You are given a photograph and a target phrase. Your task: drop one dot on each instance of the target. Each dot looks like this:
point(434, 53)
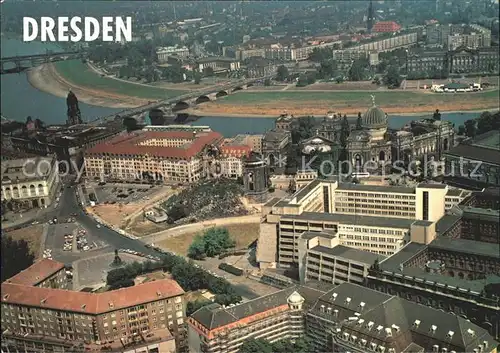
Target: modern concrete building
point(378, 219)
point(41, 316)
point(30, 182)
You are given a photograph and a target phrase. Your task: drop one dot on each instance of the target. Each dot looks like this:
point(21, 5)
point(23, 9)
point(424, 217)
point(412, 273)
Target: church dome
point(374, 118)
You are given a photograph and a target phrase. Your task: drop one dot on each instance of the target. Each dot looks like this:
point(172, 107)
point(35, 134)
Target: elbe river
point(19, 100)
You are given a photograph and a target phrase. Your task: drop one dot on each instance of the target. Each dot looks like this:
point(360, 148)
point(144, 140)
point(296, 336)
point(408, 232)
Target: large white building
point(164, 53)
point(29, 182)
point(376, 219)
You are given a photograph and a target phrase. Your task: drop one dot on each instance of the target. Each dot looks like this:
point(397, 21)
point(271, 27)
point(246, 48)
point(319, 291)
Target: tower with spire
point(371, 17)
point(74, 115)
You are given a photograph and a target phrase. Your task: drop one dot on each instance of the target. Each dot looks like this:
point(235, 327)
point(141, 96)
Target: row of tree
point(213, 242)
point(16, 256)
point(484, 123)
point(189, 277)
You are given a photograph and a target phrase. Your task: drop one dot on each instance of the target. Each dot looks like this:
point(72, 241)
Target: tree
point(303, 130)
point(436, 115)
point(392, 78)
point(282, 73)
point(321, 54)
point(488, 122)
point(267, 82)
point(470, 128)
point(16, 256)
point(253, 345)
point(344, 135)
point(357, 70)
point(208, 71)
point(191, 307)
point(176, 212)
point(327, 69)
point(461, 130)
point(197, 248)
point(359, 122)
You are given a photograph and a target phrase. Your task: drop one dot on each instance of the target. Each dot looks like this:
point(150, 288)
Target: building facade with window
point(30, 182)
point(345, 318)
point(150, 316)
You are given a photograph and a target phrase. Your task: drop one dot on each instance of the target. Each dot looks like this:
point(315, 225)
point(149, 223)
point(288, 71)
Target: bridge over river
point(23, 62)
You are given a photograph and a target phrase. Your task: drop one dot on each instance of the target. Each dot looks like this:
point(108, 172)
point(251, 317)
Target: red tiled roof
point(90, 303)
point(129, 144)
point(37, 272)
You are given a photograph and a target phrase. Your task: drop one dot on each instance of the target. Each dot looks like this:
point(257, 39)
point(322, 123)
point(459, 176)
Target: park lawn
point(81, 75)
point(32, 235)
point(382, 98)
point(243, 234)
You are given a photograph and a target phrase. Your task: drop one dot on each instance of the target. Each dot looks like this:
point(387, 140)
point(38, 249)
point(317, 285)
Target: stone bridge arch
point(222, 93)
point(181, 105)
point(203, 99)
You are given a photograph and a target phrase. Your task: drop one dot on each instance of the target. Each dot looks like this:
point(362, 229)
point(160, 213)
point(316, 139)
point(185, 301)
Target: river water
point(19, 100)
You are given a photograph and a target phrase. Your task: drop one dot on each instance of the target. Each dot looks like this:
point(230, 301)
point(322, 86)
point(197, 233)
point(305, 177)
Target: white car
point(98, 226)
point(86, 248)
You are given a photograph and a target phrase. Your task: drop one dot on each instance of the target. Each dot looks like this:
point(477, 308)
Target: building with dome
point(371, 143)
point(374, 142)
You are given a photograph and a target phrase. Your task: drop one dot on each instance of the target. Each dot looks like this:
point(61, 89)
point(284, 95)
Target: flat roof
point(466, 246)
point(346, 252)
point(353, 219)
point(272, 202)
point(376, 188)
point(306, 189)
point(446, 222)
point(431, 186)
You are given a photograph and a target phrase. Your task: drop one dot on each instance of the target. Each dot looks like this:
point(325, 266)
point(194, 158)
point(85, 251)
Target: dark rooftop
point(406, 253)
point(346, 252)
point(446, 222)
point(466, 246)
point(307, 189)
point(272, 202)
point(476, 153)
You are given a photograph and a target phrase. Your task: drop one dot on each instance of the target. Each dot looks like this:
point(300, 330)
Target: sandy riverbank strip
point(207, 110)
point(46, 78)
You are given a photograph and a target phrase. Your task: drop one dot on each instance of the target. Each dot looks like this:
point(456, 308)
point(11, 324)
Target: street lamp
point(406, 51)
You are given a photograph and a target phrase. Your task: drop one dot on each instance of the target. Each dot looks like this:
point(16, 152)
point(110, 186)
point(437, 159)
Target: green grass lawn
point(381, 98)
point(78, 73)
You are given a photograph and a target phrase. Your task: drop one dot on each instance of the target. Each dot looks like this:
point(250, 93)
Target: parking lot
point(119, 193)
point(65, 240)
point(94, 270)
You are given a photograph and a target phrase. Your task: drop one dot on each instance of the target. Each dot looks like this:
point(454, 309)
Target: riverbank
point(93, 89)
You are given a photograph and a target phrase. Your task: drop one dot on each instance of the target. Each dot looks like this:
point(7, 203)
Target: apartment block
point(44, 273)
point(39, 317)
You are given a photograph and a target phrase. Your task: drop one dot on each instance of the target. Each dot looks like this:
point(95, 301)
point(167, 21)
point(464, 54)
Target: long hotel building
point(40, 315)
point(183, 155)
point(378, 219)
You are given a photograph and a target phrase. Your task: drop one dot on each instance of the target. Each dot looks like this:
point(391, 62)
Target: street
point(69, 205)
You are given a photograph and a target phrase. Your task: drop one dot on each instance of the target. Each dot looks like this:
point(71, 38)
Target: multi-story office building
point(474, 164)
point(30, 182)
point(149, 317)
point(383, 45)
point(44, 273)
point(480, 224)
point(378, 219)
point(170, 156)
point(453, 36)
point(379, 322)
point(345, 58)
